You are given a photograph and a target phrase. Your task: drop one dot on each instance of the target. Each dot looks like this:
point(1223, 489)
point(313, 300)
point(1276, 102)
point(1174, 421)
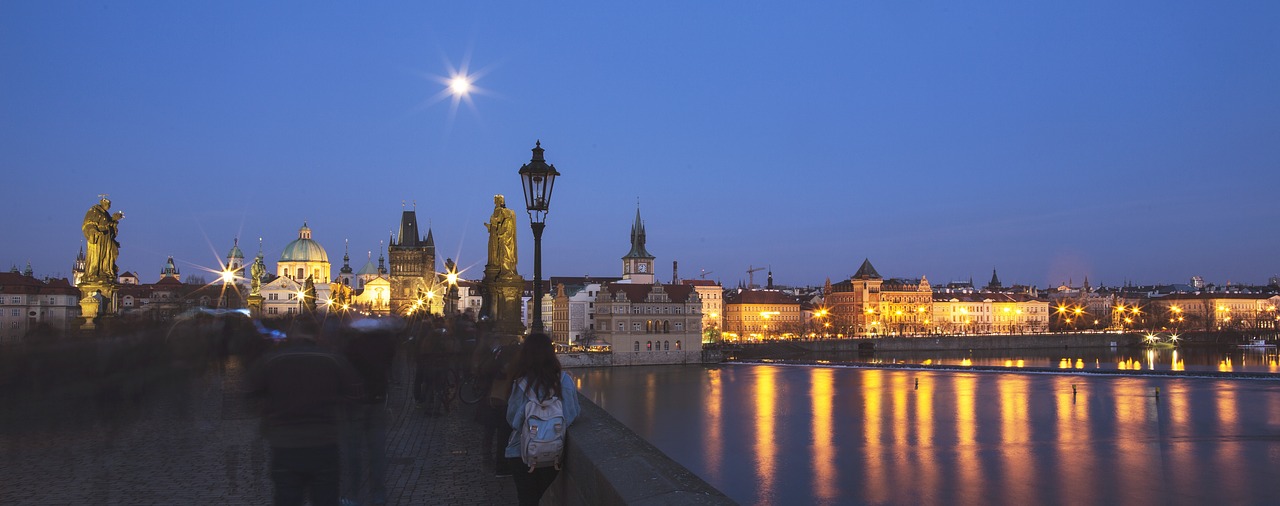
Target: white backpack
point(542, 434)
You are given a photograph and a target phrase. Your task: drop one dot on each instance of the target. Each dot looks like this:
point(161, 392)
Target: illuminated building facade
point(989, 313)
point(712, 296)
point(869, 305)
point(757, 315)
point(1213, 312)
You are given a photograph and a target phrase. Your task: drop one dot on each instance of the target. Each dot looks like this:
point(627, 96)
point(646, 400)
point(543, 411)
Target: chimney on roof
point(675, 272)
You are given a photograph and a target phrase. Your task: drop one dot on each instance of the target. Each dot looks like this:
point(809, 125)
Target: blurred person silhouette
point(302, 388)
point(371, 351)
point(492, 359)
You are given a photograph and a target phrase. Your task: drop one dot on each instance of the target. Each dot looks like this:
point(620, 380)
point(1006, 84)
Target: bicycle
point(470, 389)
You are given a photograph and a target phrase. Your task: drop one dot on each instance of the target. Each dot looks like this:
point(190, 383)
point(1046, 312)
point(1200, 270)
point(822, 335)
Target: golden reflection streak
point(1014, 433)
point(1176, 403)
point(1134, 428)
point(878, 491)
point(900, 387)
point(970, 474)
point(1227, 454)
point(1076, 463)
point(824, 448)
point(650, 401)
point(715, 437)
point(924, 440)
point(766, 411)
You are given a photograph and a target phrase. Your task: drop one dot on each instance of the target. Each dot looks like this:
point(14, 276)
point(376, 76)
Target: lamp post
point(451, 277)
point(538, 179)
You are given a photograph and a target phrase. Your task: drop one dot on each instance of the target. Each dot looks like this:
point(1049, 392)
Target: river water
point(773, 434)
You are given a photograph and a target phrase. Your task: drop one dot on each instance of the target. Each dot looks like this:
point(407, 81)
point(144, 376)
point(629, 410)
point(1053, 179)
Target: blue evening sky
point(1133, 140)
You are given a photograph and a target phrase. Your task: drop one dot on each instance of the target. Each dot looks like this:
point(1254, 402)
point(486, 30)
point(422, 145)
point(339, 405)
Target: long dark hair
point(538, 365)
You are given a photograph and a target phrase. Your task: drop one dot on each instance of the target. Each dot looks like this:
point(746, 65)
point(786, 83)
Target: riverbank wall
point(605, 463)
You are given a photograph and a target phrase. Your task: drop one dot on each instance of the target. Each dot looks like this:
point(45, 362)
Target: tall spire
point(382, 266)
point(408, 229)
point(346, 256)
point(637, 239)
point(430, 243)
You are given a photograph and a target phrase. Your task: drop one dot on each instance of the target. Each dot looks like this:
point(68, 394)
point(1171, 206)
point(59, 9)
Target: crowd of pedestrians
point(320, 388)
point(324, 407)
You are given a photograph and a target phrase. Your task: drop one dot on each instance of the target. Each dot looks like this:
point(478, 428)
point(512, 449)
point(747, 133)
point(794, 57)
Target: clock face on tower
point(642, 267)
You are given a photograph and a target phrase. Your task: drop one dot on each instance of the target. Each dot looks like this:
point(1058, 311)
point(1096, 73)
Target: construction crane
point(704, 273)
point(751, 275)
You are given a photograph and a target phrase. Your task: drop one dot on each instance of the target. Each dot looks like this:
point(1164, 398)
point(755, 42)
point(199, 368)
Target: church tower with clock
point(637, 265)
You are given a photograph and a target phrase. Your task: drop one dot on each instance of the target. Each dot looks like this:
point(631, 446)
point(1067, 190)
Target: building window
point(637, 346)
point(648, 345)
point(677, 345)
point(621, 327)
point(271, 310)
point(16, 312)
point(666, 346)
point(15, 300)
point(635, 326)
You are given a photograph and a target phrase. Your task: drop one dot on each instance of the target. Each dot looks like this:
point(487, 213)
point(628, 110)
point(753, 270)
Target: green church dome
point(303, 249)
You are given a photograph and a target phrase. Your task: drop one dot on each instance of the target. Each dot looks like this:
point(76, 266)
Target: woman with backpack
point(542, 405)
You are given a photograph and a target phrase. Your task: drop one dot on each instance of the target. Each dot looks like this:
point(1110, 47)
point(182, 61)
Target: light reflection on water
point(769, 434)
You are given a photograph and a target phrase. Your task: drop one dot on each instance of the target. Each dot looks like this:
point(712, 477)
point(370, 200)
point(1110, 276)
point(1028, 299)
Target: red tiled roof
point(12, 282)
point(760, 297)
point(637, 293)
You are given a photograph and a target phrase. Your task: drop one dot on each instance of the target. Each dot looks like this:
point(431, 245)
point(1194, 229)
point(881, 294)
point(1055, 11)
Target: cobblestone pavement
point(191, 438)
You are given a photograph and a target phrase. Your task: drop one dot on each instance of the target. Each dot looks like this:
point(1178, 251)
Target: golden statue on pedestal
point(502, 240)
point(100, 230)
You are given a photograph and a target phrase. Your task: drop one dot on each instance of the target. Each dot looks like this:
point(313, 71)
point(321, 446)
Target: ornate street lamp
point(539, 179)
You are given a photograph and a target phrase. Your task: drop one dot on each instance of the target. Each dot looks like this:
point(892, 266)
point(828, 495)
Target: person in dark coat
point(302, 388)
point(371, 351)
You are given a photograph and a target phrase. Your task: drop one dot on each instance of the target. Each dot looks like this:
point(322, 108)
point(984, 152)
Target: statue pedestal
point(255, 305)
point(96, 299)
point(504, 305)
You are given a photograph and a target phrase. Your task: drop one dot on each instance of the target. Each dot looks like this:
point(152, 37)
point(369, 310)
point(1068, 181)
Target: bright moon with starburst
point(459, 86)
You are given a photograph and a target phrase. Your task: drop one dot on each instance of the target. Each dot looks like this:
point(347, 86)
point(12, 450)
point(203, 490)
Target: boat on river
point(1257, 344)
